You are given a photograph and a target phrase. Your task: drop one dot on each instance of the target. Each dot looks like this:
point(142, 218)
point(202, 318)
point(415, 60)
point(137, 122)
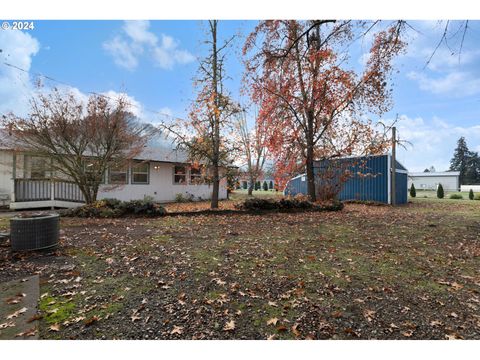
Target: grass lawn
point(411, 272)
point(431, 194)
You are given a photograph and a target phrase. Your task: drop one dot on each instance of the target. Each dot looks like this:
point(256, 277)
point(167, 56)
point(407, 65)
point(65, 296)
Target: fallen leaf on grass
point(29, 332)
point(271, 337)
point(54, 327)
point(177, 330)
point(281, 328)
point(16, 313)
point(369, 315)
point(91, 321)
point(272, 303)
point(407, 333)
point(272, 321)
point(453, 336)
point(35, 317)
point(229, 326)
point(436, 323)
point(295, 330)
point(7, 324)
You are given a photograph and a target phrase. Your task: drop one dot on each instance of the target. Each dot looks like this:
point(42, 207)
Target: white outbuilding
point(430, 180)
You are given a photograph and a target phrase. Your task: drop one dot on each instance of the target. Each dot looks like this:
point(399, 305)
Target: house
point(158, 172)
point(366, 178)
point(430, 180)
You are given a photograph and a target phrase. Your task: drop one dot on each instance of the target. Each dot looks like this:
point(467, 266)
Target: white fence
point(475, 188)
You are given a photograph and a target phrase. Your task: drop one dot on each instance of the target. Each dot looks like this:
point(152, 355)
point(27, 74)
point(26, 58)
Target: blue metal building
point(369, 179)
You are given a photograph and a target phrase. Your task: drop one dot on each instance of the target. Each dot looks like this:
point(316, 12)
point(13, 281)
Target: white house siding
point(6, 173)
point(429, 182)
point(475, 188)
point(161, 187)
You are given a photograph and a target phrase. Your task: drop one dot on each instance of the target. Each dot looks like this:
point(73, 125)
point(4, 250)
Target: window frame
point(133, 172)
point(126, 172)
point(197, 176)
point(184, 174)
point(43, 167)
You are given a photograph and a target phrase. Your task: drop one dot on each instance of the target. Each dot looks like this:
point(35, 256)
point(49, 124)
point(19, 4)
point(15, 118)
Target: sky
point(154, 62)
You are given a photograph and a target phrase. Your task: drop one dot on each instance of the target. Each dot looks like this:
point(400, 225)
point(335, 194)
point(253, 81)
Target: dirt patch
point(366, 272)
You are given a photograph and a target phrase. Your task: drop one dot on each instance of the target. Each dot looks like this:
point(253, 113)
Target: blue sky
point(154, 63)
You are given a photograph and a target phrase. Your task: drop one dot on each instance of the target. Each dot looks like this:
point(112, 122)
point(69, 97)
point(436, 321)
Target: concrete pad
point(18, 306)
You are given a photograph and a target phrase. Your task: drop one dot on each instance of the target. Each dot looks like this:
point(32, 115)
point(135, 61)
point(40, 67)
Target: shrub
point(440, 192)
point(413, 191)
point(270, 186)
point(184, 198)
point(287, 204)
point(257, 185)
point(114, 208)
point(456, 196)
point(471, 195)
point(265, 186)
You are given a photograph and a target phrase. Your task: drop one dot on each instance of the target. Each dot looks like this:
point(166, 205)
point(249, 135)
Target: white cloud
point(124, 54)
point(432, 141)
point(16, 87)
point(454, 83)
point(451, 69)
point(137, 39)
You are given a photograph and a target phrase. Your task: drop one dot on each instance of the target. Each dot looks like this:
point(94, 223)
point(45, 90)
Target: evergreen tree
point(265, 186)
point(470, 195)
point(270, 186)
point(413, 191)
point(426, 170)
point(472, 173)
point(440, 192)
point(460, 160)
point(257, 185)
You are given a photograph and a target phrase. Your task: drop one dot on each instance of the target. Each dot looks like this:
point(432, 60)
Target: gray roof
point(157, 150)
point(440, 173)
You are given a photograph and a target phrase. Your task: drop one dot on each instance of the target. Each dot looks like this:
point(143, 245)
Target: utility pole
point(394, 165)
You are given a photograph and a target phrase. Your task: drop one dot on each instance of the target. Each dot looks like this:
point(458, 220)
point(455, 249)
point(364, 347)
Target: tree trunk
point(310, 176)
point(252, 184)
point(216, 119)
point(216, 187)
point(309, 161)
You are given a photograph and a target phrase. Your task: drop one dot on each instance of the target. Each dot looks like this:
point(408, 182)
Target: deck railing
point(45, 189)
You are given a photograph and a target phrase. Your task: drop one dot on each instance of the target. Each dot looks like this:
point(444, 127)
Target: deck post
point(14, 175)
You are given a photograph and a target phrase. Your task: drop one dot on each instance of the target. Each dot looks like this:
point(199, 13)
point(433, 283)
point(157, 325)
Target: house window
point(140, 173)
point(118, 175)
point(38, 167)
point(196, 175)
point(179, 174)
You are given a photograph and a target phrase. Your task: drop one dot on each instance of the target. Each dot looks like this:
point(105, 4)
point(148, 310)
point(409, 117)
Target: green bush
point(270, 186)
point(440, 192)
point(265, 186)
point(114, 208)
point(456, 196)
point(471, 195)
point(184, 198)
point(413, 191)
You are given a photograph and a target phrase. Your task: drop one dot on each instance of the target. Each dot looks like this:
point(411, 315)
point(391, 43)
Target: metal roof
point(440, 173)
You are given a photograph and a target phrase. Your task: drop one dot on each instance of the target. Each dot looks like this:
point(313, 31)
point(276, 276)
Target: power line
point(37, 74)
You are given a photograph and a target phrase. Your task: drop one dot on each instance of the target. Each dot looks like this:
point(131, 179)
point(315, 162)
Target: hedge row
point(113, 208)
point(257, 204)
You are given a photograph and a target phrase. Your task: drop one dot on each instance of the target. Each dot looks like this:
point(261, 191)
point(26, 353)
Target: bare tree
point(207, 131)
point(253, 150)
point(81, 140)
